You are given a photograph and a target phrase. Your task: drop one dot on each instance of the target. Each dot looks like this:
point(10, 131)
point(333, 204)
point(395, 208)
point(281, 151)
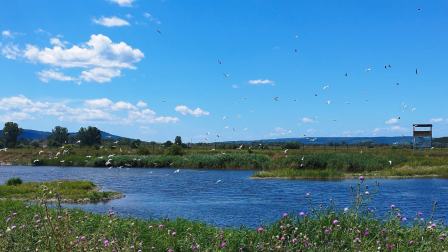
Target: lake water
point(236, 200)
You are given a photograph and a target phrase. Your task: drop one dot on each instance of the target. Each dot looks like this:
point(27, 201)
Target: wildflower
point(37, 221)
point(302, 213)
point(150, 227)
point(85, 217)
point(294, 240)
point(13, 227)
point(132, 247)
point(392, 206)
point(56, 228)
point(282, 239)
point(161, 226)
point(307, 194)
point(335, 222)
point(326, 230)
point(419, 213)
point(398, 215)
point(7, 220)
point(26, 207)
point(279, 247)
point(285, 214)
point(14, 214)
point(223, 244)
point(174, 233)
point(59, 217)
point(435, 202)
point(260, 229)
point(361, 178)
point(411, 241)
point(404, 219)
point(346, 209)
point(366, 192)
point(193, 247)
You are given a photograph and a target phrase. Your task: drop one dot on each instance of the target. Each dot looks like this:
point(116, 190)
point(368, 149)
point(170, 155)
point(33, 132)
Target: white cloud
point(259, 81)
point(112, 21)
point(147, 130)
point(98, 52)
point(100, 75)
point(0, 43)
point(307, 120)
point(7, 34)
point(392, 121)
point(151, 18)
point(57, 42)
point(234, 86)
point(128, 16)
point(311, 130)
point(127, 3)
point(435, 120)
point(107, 104)
point(11, 51)
point(42, 31)
point(19, 103)
point(15, 116)
point(184, 110)
point(91, 111)
point(376, 130)
point(141, 104)
point(149, 116)
point(47, 75)
point(91, 116)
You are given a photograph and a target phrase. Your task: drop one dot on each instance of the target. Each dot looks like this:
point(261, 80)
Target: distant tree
point(124, 141)
point(60, 134)
point(178, 140)
point(72, 139)
point(135, 144)
point(35, 144)
point(168, 143)
point(10, 132)
point(89, 136)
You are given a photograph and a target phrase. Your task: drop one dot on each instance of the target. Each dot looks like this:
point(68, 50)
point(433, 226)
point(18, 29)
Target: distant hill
point(35, 134)
point(349, 140)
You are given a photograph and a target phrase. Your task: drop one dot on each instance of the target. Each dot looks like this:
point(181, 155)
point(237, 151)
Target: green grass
point(70, 189)
point(35, 227)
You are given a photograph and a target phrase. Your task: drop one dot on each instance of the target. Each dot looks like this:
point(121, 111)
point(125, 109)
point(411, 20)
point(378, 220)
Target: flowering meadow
point(40, 227)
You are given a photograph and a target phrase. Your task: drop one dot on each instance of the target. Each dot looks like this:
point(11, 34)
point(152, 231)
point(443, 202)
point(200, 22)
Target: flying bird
point(276, 98)
point(296, 36)
point(79, 141)
point(385, 67)
point(295, 50)
point(226, 127)
point(159, 31)
point(224, 117)
point(390, 66)
point(398, 84)
point(285, 151)
point(368, 69)
point(219, 181)
point(226, 75)
point(416, 71)
point(219, 62)
point(413, 109)
point(345, 74)
point(326, 87)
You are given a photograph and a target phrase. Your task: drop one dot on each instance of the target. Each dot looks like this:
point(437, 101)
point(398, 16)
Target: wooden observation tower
point(425, 136)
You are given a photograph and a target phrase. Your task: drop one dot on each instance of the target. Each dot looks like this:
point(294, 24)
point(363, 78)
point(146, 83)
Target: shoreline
point(74, 201)
point(351, 177)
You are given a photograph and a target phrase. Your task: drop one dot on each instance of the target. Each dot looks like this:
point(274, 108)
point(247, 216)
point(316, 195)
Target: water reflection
point(237, 200)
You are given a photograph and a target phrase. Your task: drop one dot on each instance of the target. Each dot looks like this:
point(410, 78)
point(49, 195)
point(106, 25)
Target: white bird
point(234, 129)
point(218, 181)
point(224, 117)
point(88, 156)
point(326, 87)
point(226, 127)
point(4, 149)
point(315, 117)
point(329, 101)
point(226, 75)
point(390, 162)
point(219, 62)
point(252, 111)
point(40, 152)
point(368, 69)
point(62, 161)
point(296, 36)
point(115, 142)
point(334, 120)
point(413, 109)
point(79, 141)
point(178, 170)
point(347, 102)
point(241, 146)
point(206, 138)
point(245, 129)
point(207, 133)
point(37, 160)
point(285, 151)
point(238, 117)
point(303, 135)
point(303, 157)
point(212, 150)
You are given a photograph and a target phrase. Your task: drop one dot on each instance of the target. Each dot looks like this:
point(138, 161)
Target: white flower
point(366, 192)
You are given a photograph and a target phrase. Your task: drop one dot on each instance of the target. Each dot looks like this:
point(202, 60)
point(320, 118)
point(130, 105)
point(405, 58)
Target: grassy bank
point(70, 189)
point(358, 228)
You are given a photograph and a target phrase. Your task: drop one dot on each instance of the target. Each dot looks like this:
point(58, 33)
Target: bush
point(13, 181)
point(174, 150)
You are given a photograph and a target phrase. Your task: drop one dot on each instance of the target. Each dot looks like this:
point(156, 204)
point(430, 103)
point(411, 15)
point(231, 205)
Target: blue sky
point(103, 63)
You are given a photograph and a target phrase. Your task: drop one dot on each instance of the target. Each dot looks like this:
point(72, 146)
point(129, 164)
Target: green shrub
point(14, 181)
point(174, 150)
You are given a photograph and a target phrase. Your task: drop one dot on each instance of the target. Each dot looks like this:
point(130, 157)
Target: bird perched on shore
point(4, 149)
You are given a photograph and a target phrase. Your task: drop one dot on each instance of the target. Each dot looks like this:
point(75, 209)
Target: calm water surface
point(236, 200)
